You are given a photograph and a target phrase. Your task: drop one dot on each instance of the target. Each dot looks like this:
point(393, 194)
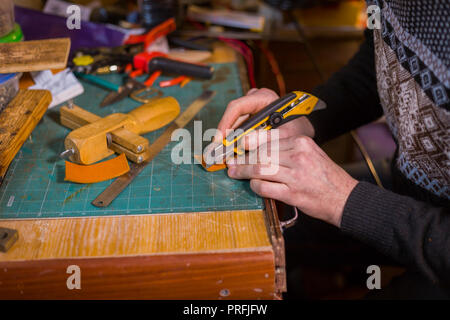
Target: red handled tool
point(160, 30)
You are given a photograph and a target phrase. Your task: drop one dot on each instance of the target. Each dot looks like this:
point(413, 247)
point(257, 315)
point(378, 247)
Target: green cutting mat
point(34, 186)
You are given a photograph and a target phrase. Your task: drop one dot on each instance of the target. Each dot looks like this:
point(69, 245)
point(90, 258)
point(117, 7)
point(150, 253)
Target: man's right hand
point(242, 108)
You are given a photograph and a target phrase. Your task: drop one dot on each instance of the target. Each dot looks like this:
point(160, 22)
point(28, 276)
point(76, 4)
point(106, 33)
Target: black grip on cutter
point(181, 68)
point(263, 113)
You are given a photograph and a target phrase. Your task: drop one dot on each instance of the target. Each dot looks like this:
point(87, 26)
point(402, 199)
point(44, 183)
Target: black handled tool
point(179, 67)
point(279, 112)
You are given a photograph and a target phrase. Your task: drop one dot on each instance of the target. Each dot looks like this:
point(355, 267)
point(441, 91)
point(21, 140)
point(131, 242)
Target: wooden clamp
point(94, 138)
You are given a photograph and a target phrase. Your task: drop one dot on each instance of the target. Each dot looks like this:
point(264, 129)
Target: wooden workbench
point(195, 255)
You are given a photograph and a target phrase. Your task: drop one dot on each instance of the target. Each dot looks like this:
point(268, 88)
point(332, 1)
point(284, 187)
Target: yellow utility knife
point(287, 108)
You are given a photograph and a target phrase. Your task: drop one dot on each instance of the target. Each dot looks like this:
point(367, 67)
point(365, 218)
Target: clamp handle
point(154, 115)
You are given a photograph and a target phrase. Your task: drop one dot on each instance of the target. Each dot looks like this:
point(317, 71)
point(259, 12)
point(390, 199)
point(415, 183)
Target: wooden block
point(34, 55)
point(78, 116)
point(18, 120)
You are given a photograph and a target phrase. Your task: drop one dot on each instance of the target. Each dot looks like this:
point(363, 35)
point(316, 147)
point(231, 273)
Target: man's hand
point(256, 99)
point(302, 176)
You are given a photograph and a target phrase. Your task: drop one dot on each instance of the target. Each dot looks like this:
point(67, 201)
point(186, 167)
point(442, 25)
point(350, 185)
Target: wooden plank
point(34, 55)
point(153, 234)
point(238, 275)
point(18, 120)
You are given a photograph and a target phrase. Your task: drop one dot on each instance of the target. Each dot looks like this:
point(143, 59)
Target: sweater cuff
point(371, 214)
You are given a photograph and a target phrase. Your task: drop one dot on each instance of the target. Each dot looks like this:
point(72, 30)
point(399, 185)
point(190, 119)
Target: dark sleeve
point(413, 233)
point(351, 96)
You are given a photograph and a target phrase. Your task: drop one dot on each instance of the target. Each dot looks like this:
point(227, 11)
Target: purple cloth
point(377, 138)
point(37, 25)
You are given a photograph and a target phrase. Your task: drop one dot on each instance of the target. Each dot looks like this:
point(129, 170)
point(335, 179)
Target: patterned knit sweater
point(402, 71)
point(412, 59)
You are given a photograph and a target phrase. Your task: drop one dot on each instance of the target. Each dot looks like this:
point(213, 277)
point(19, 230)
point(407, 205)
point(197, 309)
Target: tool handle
point(154, 114)
point(179, 67)
point(99, 81)
point(260, 116)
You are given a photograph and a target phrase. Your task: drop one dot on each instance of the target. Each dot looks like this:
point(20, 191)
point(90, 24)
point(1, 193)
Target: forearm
point(351, 96)
point(411, 232)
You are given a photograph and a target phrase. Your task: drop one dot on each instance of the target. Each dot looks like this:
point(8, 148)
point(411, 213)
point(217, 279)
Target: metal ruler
point(118, 185)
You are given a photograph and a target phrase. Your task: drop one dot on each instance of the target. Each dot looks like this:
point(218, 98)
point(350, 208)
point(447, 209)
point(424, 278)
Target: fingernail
point(231, 171)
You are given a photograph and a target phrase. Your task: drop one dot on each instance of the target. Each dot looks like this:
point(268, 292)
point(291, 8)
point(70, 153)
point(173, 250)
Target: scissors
point(131, 87)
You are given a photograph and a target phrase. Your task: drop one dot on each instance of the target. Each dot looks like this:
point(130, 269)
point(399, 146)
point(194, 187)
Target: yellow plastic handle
point(154, 115)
